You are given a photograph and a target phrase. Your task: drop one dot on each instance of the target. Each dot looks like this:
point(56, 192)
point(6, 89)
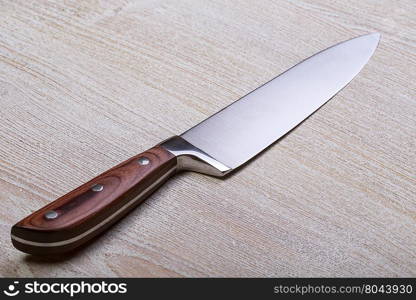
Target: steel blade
point(249, 125)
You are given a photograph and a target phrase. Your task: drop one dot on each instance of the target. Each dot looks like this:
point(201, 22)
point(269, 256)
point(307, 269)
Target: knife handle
point(83, 213)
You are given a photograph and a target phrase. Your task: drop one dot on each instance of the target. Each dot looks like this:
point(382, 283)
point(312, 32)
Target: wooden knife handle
point(78, 216)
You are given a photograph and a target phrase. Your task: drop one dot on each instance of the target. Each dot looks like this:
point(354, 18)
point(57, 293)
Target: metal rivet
point(144, 161)
point(50, 215)
point(97, 187)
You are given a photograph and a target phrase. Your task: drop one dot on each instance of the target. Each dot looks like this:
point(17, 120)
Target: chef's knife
point(216, 146)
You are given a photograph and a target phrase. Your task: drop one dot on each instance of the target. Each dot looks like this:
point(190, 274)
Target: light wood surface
point(85, 85)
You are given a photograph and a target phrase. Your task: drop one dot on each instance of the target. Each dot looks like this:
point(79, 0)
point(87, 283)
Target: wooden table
point(85, 85)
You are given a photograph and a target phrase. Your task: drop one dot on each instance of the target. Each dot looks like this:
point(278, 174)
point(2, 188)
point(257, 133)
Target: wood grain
point(86, 84)
point(85, 212)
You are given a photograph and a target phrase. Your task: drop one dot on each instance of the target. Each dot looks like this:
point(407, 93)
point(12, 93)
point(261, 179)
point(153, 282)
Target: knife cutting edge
point(216, 146)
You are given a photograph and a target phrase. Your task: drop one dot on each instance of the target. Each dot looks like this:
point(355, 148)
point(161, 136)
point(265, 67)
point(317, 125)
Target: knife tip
point(371, 40)
point(375, 35)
